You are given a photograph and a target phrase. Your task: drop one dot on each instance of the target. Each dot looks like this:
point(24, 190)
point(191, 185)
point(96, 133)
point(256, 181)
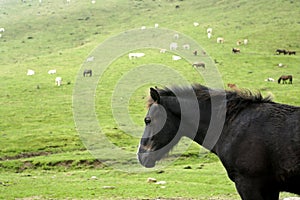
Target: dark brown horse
point(256, 139)
point(284, 78)
point(87, 72)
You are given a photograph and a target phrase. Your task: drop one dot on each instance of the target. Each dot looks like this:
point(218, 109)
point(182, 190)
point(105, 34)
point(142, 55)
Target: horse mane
point(236, 100)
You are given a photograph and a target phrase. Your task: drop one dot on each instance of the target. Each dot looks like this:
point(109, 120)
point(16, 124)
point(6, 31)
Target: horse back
point(263, 140)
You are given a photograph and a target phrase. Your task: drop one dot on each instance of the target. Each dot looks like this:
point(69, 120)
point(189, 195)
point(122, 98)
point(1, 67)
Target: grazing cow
point(93, 1)
point(90, 59)
point(198, 64)
point(220, 40)
point(176, 36)
point(209, 35)
point(58, 81)
point(270, 80)
point(245, 41)
point(87, 72)
point(176, 57)
point(173, 46)
point(196, 24)
point(162, 50)
point(2, 30)
point(177, 6)
point(135, 55)
point(52, 71)
point(236, 50)
point(209, 30)
point(186, 46)
point(155, 25)
point(238, 42)
point(195, 53)
point(30, 72)
point(143, 27)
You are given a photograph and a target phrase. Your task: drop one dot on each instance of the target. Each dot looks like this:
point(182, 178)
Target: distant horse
point(87, 72)
point(292, 52)
point(280, 51)
point(258, 141)
point(284, 78)
point(236, 50)
point(198, 64)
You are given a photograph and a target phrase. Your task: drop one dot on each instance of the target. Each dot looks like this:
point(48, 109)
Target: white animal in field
point(58, 81)
point(196, 24)
point(176, 36)
point(90, 59)
point(30, 72)
point(155, 25)
point(176, 57)
point(209, 35)
point(173, 46)
point(52, 71)
point(135, 55)
point(209, 30)
point(0, 35)
point(93, 1)
point(220, 40)
point(245, 41)
point(2, 30)
point(270, 80)
point(186, 46)
point(162, 50)
point(143, 27)
point(68, 1)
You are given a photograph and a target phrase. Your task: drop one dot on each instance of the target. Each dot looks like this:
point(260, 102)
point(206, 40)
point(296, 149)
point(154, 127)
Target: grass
point(43, 152)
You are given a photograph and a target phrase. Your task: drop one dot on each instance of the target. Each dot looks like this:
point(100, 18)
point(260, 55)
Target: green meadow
point(79, 140)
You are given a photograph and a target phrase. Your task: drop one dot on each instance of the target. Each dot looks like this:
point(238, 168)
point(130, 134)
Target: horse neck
point(194, 117)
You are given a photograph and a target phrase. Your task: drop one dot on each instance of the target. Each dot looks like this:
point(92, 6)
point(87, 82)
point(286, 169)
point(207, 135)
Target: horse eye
point(147, 120)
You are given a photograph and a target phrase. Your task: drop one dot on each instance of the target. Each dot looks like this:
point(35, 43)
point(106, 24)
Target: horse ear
point(154, 95)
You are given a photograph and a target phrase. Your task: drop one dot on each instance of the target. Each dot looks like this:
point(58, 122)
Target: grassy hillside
point(39, 137)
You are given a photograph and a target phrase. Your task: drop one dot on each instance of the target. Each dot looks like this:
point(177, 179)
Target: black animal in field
point(256, 139)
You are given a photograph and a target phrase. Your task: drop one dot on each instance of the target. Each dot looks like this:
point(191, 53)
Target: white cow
point(2, 30)
point(90, 59)
point(30, 72)
point(176, 36)
point(173, 46)
point(220, 40)
point(93, 1)
point(135, 55)
point(155, 25)
point(186, 46)
point(143, 27)
point(209, 30)
point(245, 41)
point(209, 35)
point(58, 81)
point(270, 80)
point(162, 50)
point(52, 71)
point(176, 57)
point(196, 24)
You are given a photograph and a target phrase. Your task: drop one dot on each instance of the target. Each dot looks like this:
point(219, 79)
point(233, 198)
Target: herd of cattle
point(173, 47)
